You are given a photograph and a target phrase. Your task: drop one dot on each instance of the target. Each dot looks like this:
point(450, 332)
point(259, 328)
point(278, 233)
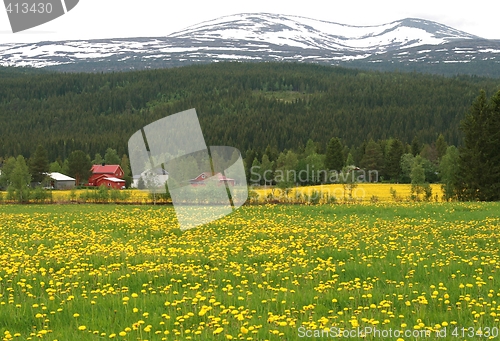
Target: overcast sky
point(93, 19)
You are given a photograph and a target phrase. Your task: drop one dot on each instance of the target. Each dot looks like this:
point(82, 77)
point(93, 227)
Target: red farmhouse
point(111, 182)
point(108, 175)
point(206, 176)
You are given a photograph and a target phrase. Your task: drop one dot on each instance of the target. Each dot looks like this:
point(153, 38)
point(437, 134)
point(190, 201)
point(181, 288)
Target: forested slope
point(245, 105)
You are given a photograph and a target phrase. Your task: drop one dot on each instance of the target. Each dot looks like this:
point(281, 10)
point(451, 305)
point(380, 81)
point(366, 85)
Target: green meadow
point(271, 272)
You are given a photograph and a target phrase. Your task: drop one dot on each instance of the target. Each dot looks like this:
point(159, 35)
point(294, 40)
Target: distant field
point(136, 196)
point(364, 192)
point(269, 272)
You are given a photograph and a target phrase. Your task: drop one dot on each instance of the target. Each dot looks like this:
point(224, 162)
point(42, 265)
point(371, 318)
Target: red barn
point(112, 182)
point(206, 176)
point(101, 175)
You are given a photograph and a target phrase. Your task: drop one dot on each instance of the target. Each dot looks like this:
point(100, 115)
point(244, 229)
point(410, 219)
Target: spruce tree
point(350, 160)
point(441, 146)
point(127, 173)
point(416, 147)
point(255, 170)
point(98, 160)
point(111, 157)
point(39, 164)
point(393, 160)
point(334, 158)
point(267, 170)
point(479, 161)
point(79, 165)
point(373, 158)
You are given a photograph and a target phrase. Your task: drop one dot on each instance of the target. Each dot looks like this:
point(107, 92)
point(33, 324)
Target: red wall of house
point(94, 179)
point(111, 184)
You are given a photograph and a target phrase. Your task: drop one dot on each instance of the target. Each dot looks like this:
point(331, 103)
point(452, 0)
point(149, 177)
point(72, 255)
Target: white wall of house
point(161, 178)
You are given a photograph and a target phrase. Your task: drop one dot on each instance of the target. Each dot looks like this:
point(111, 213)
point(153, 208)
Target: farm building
point(204, 177)
point(159, 175)
point(112, 182)
point(107, 175)
point(61, 181)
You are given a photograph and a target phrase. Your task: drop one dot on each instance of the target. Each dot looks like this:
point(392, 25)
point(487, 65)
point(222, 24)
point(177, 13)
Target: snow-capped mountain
point(263, 37)
point(308, 33)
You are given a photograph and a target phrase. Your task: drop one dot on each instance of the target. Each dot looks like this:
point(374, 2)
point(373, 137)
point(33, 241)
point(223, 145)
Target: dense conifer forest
point(245, 105)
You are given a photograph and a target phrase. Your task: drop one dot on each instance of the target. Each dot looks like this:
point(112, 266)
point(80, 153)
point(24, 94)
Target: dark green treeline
point(245, 105)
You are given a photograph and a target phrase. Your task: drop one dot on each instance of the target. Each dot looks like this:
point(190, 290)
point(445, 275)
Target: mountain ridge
point(267, 37)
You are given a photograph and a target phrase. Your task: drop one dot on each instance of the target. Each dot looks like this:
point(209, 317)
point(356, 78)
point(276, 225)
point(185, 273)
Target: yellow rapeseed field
point(133, 196)
point(363, 192)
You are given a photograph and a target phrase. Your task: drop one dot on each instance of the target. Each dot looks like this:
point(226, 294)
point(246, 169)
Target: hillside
point(245, 105)
point(20, 71)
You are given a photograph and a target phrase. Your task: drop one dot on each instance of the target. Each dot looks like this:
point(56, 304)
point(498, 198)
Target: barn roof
point(208, 175)
point(113, 179)
point(106, 169)
point(222, 177)
point(60, 177)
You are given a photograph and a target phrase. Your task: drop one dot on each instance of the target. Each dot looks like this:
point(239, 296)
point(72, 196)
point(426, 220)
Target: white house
point(159, 175)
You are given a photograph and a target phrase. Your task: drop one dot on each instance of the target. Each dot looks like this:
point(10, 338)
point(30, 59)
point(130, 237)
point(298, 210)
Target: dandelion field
point(98, 272)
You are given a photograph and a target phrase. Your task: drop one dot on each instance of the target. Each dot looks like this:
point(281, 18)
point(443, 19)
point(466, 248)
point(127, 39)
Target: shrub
point(117, 195)
point(394, 195)
point(72, 194)
point(427, 192)
point(40, 195)
point(11, 193)
point(84, 196)
point(253, 196)
point(102, 194)
point(330, 199)
point(314, 198)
